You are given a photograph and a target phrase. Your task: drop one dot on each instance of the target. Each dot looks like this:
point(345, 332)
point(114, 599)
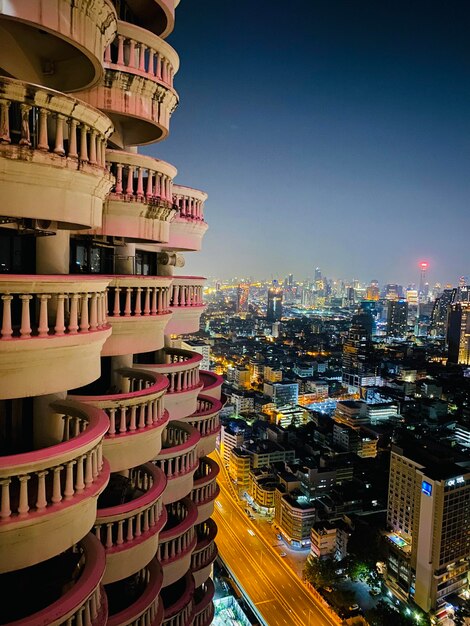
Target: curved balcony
point(186, 304)
point(137, 90)
point(65, 41)
point(53, 329)
point(136, 418)
point(206, 420)
point(158, 16)
point(178, 459)
point(138, 313)
point(129, 530)
point(177, 540)
point(188, 227)
point(62, 590)
point(48, 499)
point(140, 205)
point(212, 384)
point(140, 596)
point(203, 606)
point(205, 551)
point(52, 158)
point(181, 367)
point(178, 602)
point(205, 489)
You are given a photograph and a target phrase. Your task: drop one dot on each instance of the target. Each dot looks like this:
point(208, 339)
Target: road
point(278, 595)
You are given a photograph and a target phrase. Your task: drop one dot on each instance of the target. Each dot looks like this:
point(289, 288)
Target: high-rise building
point(107, 489)
point(440, 313)
point(358, 368)
point(429, 516)
point(458, 327)
point(397, 315)
point(243, 293)
point(274, 309)
point(373, 291)
point(423, 288)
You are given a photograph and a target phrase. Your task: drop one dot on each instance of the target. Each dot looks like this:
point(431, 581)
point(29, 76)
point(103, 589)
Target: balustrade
point(205, 617)
point(135, 50)
point(190, 202)
point(33, 482)
point(137, 297)
point(178, 455)
point(185, 295)
point(37, 118)
point(142, 184)
point(181, 367)
point(45, 306)
point(118, 526)
point(179, 536)
point(206, 418)
point(203, 607)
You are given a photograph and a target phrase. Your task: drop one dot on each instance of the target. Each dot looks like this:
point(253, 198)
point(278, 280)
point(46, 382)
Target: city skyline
point(350, 149)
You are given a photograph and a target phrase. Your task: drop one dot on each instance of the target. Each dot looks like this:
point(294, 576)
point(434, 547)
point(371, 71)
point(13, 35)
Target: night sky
point(327, 133)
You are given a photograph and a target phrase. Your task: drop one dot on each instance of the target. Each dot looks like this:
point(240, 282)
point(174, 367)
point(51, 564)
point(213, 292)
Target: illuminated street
point(278, 595)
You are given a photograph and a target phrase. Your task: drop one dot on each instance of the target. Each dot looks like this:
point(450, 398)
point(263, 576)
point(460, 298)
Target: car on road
point(283, 554)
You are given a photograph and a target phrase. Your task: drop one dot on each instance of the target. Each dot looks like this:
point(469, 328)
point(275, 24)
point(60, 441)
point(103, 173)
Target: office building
point(106, 426)
point(274, 309)
point(458, 327)
point(440, 313)
point(358, 368)
point(397, 318)
point(429, 516)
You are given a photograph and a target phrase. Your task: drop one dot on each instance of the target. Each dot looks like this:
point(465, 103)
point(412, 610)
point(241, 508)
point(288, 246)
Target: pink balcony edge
point(183, 526)
point(127, 545)
point(216, 406)
point(207, 599)
point(138, 431)
point(185, 599)
point(159, 385)
point(215, 469)
point(192, 440)
point(213, 379)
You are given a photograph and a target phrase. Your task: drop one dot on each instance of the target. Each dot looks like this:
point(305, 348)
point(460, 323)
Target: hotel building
point(105, 425)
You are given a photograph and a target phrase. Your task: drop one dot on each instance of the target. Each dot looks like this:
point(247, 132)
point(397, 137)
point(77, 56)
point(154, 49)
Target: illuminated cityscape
point(261, 418)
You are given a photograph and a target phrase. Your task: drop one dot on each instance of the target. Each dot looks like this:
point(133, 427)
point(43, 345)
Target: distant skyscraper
point(440, 313)
point(392, 292)
point(458, 328)
point(373, 292)
point(357, 365)
point(397, 314)
point(243, 292)
point(274, 310)
point(317, 274)
point(423, 283)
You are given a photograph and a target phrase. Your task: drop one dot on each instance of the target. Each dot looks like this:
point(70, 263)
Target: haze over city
point(327, 133)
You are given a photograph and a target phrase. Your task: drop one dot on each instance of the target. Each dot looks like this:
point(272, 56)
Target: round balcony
point(181, 368)
point(178, 602)
point(205, 489)
point(188, 227)
point(212, 384)
point(138, 313)
point(63, 590)
point(157, 16)
point(206, 420)
point(203, 606)
point(205, 551)
point(130, 515)
point(137, 418)
point(137, 90)
point(135, 601)
point(49, 495)
point(177, 540)
point(140, 206)
point(52, 158)
point(65, 39)
point(186, 304)
point(52, 333)
point(178, 459)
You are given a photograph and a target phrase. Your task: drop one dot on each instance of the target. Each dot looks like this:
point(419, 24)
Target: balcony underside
point(184, 320)
point(135, 334)
point(186, 235)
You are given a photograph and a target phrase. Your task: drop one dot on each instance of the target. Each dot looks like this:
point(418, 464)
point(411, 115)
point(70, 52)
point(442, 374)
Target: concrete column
point(117, 362)
point(125, 259)
point(47, 425)
point(53, 253)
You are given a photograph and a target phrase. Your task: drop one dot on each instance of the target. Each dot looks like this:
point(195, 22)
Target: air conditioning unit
point(37, 227)
point(119, 241)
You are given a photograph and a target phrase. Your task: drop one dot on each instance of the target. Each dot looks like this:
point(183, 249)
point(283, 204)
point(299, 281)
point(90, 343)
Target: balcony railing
point(190, 202)
point(120, 527)
point(178, 602)
point(206, 418)
point(181, 367)
point(40, 306)
point(205, 486)
point(137, 51)
point(34, 483)
point(138, 296)
point(178, 537)
point(205, 551)
point(212, 384)
point(147, 610)
point(186, 291)
point(178, 454)
point(203, 607)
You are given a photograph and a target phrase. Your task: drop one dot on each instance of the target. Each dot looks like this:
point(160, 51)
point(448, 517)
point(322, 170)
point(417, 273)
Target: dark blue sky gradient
point(330, 133)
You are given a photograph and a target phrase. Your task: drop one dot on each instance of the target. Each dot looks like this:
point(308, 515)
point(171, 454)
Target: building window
point(91, 257)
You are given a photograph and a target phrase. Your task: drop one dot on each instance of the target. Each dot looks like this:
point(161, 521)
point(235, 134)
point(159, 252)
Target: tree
point(320, 572)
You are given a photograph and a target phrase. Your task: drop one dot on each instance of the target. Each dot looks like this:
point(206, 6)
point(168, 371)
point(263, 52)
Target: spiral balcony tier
point(52, 158)
point(181, 367)
point(188, 227)
point(186, 304)
point(137, 89)
point(49, 495)
point(178, 602)
point(129, 530)
point(177, 540)
point(157, 16)
point(206, 420)
point(137, 418)
point(136, 601)
point(138, 313)
point(65, 41)
point(205, 489)
point(62, 590)
point(212, 384)
point(203, 606)
point(205, 551)
point(178, 459)
point(53, 330)
point(140, 206)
